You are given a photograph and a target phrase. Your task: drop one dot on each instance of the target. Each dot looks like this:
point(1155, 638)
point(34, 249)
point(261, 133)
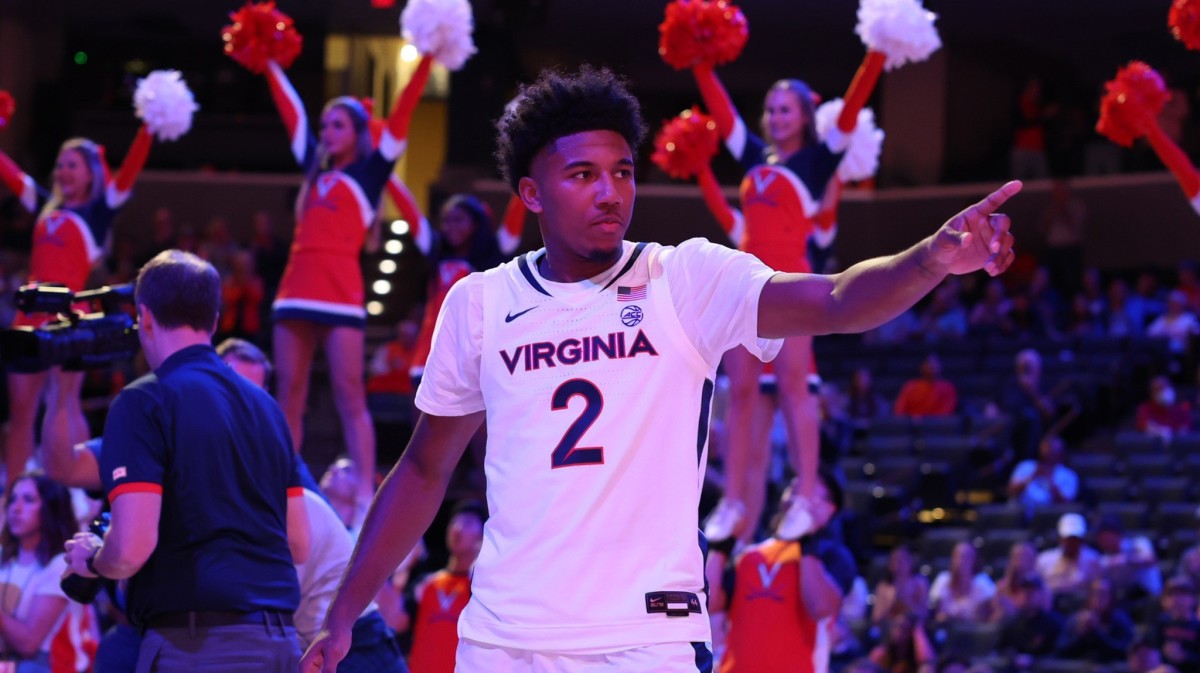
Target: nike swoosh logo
point(513, 316)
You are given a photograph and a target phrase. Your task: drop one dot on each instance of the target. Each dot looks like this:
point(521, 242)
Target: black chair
point(997, 516)
point(970, 639)
point(1132, 515)
point(1172, 517)
point(1092, 464)
point(1165, 490)
point(1144, 465)
point(939, 541)
point(1108, 489)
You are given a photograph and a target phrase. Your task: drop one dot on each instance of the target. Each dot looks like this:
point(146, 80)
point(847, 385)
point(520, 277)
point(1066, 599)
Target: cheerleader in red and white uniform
point(72, 232)
point(321, 295)
point(788, 171)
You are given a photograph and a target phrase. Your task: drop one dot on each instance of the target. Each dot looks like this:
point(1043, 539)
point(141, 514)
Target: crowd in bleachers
point(1030, 463)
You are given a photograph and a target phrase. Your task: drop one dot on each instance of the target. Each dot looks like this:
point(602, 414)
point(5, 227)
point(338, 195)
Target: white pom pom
point(165, 103)
point(861, 160)
point(441, 29)
point(901, 29)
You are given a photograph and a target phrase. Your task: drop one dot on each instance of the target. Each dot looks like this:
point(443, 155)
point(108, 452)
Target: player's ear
point(527, 189)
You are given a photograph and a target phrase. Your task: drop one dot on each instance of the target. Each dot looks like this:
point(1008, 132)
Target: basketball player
point(593, 362)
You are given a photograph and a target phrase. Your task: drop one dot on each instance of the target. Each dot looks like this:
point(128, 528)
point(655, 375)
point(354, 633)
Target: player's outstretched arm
point(873, 292)
point(403, 508)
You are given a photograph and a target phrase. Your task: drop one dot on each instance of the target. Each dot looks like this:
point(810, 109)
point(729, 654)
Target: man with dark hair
point(593, 361)
point(207, 509)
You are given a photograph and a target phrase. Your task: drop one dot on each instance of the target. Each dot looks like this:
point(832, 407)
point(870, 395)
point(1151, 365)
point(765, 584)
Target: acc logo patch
point(631, 315)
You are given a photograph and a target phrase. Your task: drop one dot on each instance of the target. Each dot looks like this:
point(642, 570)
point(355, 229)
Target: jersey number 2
point(567, 453)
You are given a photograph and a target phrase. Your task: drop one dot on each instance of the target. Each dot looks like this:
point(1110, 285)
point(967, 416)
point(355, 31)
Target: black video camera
point(84, 589)
point(79, 341)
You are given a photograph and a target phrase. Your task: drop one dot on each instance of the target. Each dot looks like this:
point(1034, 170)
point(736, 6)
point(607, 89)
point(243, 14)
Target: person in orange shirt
point(389, 367)
point(786, 592)
point(443, 595)
point(929, 394)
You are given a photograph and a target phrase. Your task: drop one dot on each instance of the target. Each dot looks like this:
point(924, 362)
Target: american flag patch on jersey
point(631, 293)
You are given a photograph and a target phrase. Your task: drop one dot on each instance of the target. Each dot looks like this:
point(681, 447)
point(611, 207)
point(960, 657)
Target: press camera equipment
point(78, 341)
point(84, 589)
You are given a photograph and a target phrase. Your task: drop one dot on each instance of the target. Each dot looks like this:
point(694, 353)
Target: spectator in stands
point(1128, 562)
point(1069, 567)
point(242, 295)
point(905, 648)
point(944, 319)
point(442, 596)
point(1189, 284)
point(388, 371)
point(1022, 562)
point(270, 252)
point(929, 394)
point(1163, 415)
point(1122, 320)
point(1082, 322)
point(1177, 325)
point(1033, 630)
point(992, 314)
point(1028, 156)
point(1045, 299)
point(163, 237)
point(961, 593)
point(39, 521)
point(1144, 657)
point(340, 486)
point(863, 404)
point(1092, 290)
point(901, 591)
point(1062, 225)
point(1035, 411)
point(1100, 631)
point(1176, 632)
point(1189, 561)
point(1028, 321)
point(1045, 481)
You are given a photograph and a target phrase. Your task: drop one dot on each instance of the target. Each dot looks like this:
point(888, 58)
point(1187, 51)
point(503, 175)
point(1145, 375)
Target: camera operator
point(205, 492)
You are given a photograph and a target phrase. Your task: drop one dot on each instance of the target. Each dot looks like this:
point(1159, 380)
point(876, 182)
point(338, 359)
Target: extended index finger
point(992, 202)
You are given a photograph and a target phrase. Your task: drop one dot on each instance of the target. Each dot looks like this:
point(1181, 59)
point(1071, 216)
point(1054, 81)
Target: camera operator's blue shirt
point(218, 449)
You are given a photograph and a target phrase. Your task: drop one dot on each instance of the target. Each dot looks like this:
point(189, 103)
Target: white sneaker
point(724, 519)
point(796, 522)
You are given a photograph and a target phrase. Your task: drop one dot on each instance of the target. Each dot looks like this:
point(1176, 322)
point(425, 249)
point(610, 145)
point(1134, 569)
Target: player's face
point(582, 187)
point(337, 133)
point(456, 227)
point(72, 175)
point(24, 509)
point(783, 118)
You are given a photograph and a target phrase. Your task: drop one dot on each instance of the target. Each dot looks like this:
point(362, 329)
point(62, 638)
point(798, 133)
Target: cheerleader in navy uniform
point(321, 295)
point(72, 234)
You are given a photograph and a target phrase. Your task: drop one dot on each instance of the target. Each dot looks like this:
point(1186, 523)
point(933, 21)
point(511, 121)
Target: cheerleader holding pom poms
point(788, 171)
point(1129, 110)
point(321, 295)
point(72, 234)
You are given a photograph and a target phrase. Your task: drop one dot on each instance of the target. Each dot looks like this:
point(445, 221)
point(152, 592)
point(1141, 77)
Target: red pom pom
point(701, 32)
point(686, 144)
point(1131, 103)
point(261, 33)
point(1184, 21)
point(8, 106)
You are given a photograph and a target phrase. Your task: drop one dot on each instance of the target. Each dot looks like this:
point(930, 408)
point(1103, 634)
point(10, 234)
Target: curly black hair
point(560, 104)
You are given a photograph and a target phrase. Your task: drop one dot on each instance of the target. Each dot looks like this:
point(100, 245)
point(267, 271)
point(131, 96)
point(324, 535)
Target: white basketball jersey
point(597, 402)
